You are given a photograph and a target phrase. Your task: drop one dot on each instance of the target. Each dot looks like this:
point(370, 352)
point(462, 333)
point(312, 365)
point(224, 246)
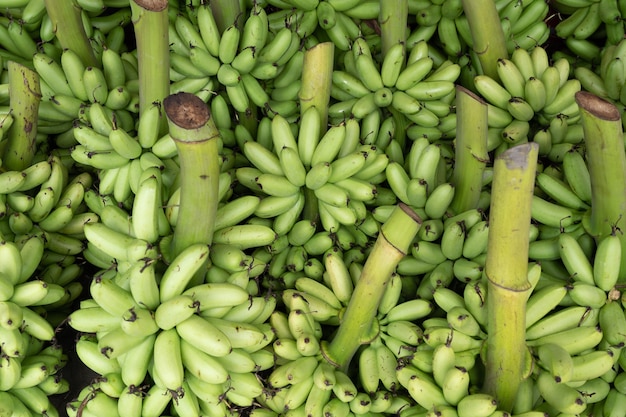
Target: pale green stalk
point(25, 96)
point(358, 322)
point(506, 269)
point(487, 34)
point(317, 77)
point(69, 29)
point(470, 152)
point(150, 22)
point(393, 23)
point(606, 160)
point(196, 137)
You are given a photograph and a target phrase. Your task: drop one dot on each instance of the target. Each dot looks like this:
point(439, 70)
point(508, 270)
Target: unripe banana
point(511, 77)
point(493, 92)
point(424, 391)
point(575, 260)
point(563, 97)
point(560, 396)
point(557, 361)
point(368, 369)
point(182, 269)
point(577, 175)
point(587, 295)
point(461, 320)
point(606, 261)
point(575, 340)
point(552, 214)
point(613, 323)
point(455, 385)
point(561, 320)
point(477, 405)
point(439, 200)
point(592, 365)
point(543, 301)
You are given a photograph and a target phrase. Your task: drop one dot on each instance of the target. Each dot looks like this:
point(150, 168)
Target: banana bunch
point(586, 19)
point(43, 217)
point(410, 82)
point(246, 62)
point(606, 79)
point(70, 88)
point(533, 101)
point(445, 22)
point(303, 382)
point(203, 341)
point(523, 23)
point(331, 171)
point(341, 21)
point(28, 382)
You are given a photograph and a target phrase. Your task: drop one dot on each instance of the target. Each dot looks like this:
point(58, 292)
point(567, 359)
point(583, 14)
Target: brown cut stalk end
point(152, 5)
point(186, 110)
point(597, 106)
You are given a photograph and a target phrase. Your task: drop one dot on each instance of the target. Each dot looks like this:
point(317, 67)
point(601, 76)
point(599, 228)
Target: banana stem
point(25, 96)
point(470, 151)
point(195, 134)
point(226, 13)
point(393, 21)
point(606, 159)
point(150, 22)
point(506, 269)
point(487, 34)
point(358, 322)
point(69, 29)
point(317, 76)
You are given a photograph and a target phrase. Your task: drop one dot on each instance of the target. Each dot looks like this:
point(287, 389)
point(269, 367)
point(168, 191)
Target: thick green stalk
point(25, 96)
point(606, 159)
point(317, 78)
point(226, 13)
point(195, 134)
point(69, 29)
point(506, 269)
point(150, 22)
point(470, 153)
point(487, 34)
point(356, 327)
point(393, 22)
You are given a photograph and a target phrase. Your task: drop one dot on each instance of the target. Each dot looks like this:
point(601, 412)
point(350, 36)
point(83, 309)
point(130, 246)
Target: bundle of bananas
point(43, 216)
point(240, 327)
point(606, 79)
point(588, 23)
point(534, 100)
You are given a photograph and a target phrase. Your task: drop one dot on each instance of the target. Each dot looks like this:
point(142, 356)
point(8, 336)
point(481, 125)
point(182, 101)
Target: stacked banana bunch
point(534, 100)
point(606, 79)
point(198, 343)
point(409, 82)
point(586, 22)
point(43, 218)
point(522, 22)
point(303, 382)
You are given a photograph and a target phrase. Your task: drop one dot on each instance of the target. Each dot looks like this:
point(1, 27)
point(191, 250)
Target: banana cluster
point(409, 82)
point(200, 343)
point(606, 78)
point(534, 100)
point(584, 20)
point(42, 224)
